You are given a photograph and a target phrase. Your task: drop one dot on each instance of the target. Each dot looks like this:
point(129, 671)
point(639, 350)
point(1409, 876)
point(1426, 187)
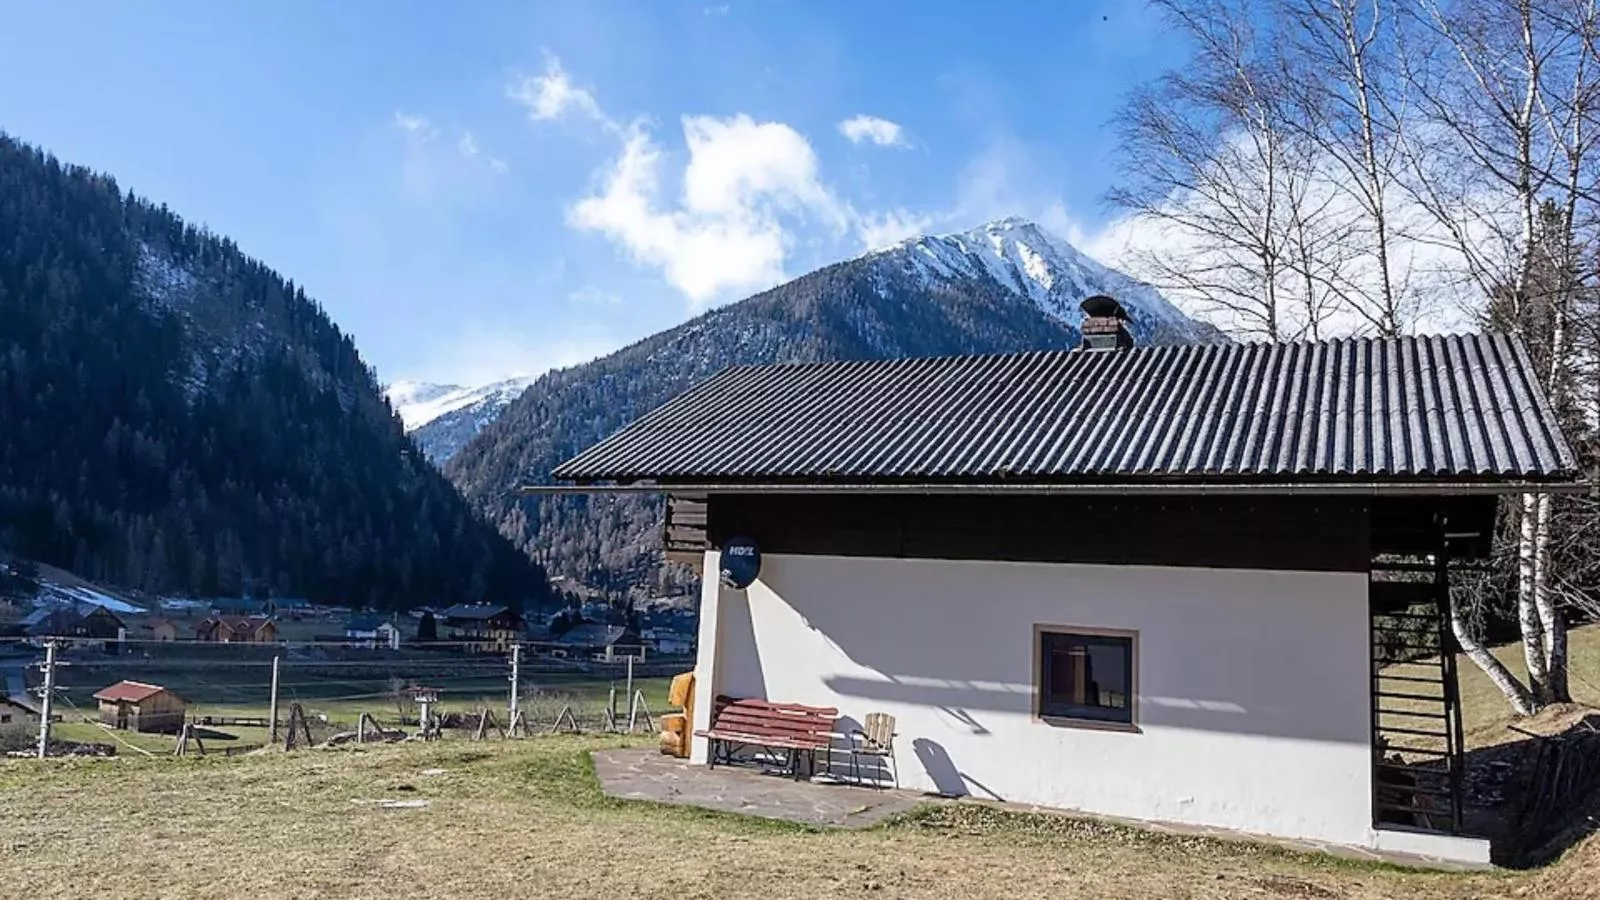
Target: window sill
point(1089, 724)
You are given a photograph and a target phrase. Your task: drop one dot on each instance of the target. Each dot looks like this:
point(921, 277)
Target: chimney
point(1105, 325)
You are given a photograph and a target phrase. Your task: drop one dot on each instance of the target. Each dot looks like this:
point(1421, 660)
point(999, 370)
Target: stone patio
point(647, 775)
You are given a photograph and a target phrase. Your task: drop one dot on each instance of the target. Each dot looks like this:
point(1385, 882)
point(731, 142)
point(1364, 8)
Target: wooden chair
point(874, 740)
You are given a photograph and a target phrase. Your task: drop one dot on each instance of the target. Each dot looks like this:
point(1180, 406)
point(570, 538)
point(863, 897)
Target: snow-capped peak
point(420, 402)
point(1024, 258)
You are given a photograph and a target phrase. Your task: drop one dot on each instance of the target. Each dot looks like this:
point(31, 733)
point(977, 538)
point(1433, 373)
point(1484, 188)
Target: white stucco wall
point(1252, 708)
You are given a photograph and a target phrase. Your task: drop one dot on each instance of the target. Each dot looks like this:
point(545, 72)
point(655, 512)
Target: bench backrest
point(762, 718)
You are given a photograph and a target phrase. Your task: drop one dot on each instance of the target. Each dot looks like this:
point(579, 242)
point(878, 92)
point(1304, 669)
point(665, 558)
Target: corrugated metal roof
point(1419, 408)
point(129, 691)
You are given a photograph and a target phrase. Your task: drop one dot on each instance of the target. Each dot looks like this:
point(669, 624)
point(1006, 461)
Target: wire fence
point(218, 698)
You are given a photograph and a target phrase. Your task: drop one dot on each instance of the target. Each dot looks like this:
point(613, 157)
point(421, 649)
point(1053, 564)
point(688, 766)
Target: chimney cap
point(1101, 306)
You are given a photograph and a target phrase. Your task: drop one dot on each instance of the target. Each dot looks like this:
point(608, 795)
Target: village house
point(86, 623)
point(163, 630)
point(17, 711)
point(1142, 582)
point(371, 631)
point(602, 642)
point(668, 641)
point(480, 627)
point(237, 630)
point(136, 706)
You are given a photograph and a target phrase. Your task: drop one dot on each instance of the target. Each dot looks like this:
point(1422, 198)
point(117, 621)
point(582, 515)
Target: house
point(18, 711)
point(669, 642)
point(237, 630)
point(480, 627)
point(1145, 582)
point(603, 642)
point(84, 622)
point(163, 630)
point(136, 706)
point(371, 631)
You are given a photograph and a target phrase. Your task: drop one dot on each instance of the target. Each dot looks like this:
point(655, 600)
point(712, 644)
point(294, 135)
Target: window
point(1085, 675)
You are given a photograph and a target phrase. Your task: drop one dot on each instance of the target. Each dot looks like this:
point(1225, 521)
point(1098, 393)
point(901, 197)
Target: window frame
point(1040, 631)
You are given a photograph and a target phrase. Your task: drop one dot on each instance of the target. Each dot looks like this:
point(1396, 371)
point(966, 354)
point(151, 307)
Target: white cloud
point(863, 129)
point(745, 189)
point(726, 232)
point(552, 95)
point(879, 230)
point(720, 9)
point(498, 166)
point(468, 145)
point(412, 124)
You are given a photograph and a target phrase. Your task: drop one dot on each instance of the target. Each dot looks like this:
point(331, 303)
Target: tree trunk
point(1519, 697)
point(1533, 645)
point(1550, 620)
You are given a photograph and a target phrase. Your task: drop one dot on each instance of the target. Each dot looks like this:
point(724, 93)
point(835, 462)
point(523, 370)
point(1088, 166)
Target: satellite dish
point(741, 562)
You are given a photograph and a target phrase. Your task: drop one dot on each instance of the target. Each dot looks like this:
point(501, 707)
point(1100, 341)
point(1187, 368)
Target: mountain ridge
point(956, 294)
point(1017, 253)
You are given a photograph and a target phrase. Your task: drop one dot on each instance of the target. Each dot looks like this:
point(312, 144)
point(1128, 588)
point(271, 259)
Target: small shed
point(16, 711)
point(137, 706)
point(163, 630)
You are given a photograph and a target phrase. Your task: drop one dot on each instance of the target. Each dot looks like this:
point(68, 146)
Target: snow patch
point(419, 403)
point(1055, 276)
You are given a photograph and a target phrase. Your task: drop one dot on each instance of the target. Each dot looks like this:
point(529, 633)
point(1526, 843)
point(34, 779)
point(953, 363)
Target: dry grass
point(526, 819)
point(1488, 717)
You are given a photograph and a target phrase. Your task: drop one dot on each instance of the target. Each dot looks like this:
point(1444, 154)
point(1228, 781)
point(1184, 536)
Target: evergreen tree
point(181, 419)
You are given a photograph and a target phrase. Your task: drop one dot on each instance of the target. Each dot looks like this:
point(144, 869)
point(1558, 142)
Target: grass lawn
point(1484, 711)
point(526, 818)
point(336, 691)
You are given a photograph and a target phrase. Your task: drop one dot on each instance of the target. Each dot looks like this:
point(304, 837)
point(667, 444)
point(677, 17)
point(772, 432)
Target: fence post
point(516, 685)
point(272, 706)
point(631, 708)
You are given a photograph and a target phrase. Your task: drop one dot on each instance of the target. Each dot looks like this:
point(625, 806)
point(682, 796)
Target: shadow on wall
point(956, 654)
point(740, 672)
point(948, 781)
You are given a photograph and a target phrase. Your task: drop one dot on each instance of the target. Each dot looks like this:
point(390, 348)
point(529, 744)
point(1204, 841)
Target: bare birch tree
point(1317, 154)
point(1504, 161)
point(1207, 162)
point(1348, 102)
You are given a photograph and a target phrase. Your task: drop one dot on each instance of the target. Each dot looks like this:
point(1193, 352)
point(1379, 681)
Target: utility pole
point(516, 680)
point(272, 706)
point(48, 695)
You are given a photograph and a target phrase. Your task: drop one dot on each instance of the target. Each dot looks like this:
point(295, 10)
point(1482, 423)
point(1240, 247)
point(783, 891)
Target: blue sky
point(491, 188)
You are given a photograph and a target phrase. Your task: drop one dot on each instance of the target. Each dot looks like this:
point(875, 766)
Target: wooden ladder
point(1417, 752)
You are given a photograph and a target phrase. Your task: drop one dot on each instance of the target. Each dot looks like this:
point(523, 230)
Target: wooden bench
point(746, 722)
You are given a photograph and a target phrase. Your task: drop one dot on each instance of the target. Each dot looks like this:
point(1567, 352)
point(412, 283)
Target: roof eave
point(1418, 487)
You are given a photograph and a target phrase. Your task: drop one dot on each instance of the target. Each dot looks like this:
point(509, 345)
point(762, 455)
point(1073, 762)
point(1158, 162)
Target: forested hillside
point(177, 417)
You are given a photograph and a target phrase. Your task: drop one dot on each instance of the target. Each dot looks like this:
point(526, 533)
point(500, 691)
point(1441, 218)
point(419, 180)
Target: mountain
point(417, 402)
point(443, 417)
point(179, 418)
point(1005, 286)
